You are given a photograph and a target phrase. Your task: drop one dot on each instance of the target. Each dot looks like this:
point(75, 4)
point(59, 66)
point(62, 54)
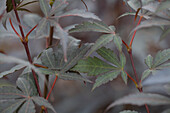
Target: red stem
point(133, 66)
point(52, 87)
point(135, 32)
point(16, 14)
point(125, 44)
point(25, 43)
point(15, 30)
point(132, 79)
point(30, 31)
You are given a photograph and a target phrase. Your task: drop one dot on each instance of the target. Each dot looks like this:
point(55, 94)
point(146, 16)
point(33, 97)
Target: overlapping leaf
point(96, 26)
point(9, 59)
point(12, 70)
point(151, 23)
point(19, 97)
point(54, 60)
point(45, 7)
point(156, 63)
point(128, 111)
point(9, 4)
point(142, 99)
point(107, 71)
point(102, 41)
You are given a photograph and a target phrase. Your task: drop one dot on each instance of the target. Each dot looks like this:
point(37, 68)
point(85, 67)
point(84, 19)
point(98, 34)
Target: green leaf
point(161, 57)
point(80, 13)
point(73, 76)
point(10, 92)
point(109, 55)
point(164, 34)
point(43, 102)
point(58, 6)
point(12, 70)
point(10, 106)
point(124, 76)
point(19, 98)
point(142, 99)
point(166, 65)
point(102, 41)
point(93, 66)
point(151, 23)
point(75, 56)
point(122, 60)
point(105, 78)
point(145, 74)
point(42, 27)
point(57, 66)
point(128, 111)
point(126, 14)
point(24, 85)
point(96, 26)
point(149, 61)
point(48, 58)
point(118, 42)
point(29, 77)
point(9, 4)
point(27, 3)
point(27, 107)
point(45, 7)
point(9, 59)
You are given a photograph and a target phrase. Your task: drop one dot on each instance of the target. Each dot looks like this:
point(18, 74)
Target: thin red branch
point(25, 43)
point(132, 79)
point(130, 45)
point(52, 87)
point(16, 14)
point(30, 31)
point(125, 44)
point(15, 30)
point(133, 66)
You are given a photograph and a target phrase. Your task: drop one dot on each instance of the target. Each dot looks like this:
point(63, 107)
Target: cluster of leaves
point(68, 61)
point(21, 98)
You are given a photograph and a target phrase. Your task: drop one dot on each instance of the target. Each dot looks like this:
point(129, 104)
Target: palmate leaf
point(11, 106)
point(109, 55)
point(9, 59)
point(57, 66)
point(107, 71)
point(102, 41)
point(156, 63)
point(79, 13)
point(128, 111)
point(27, 74)
point(27, 107)
point(93, 66)
point(151, 22)
point(58, 6)
point(142, 99)
point(161, 57)
point(45, 7)
point(105, 78)
point(12, 70)
point(96, 26)
point(19, 98)
point(118, 42)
